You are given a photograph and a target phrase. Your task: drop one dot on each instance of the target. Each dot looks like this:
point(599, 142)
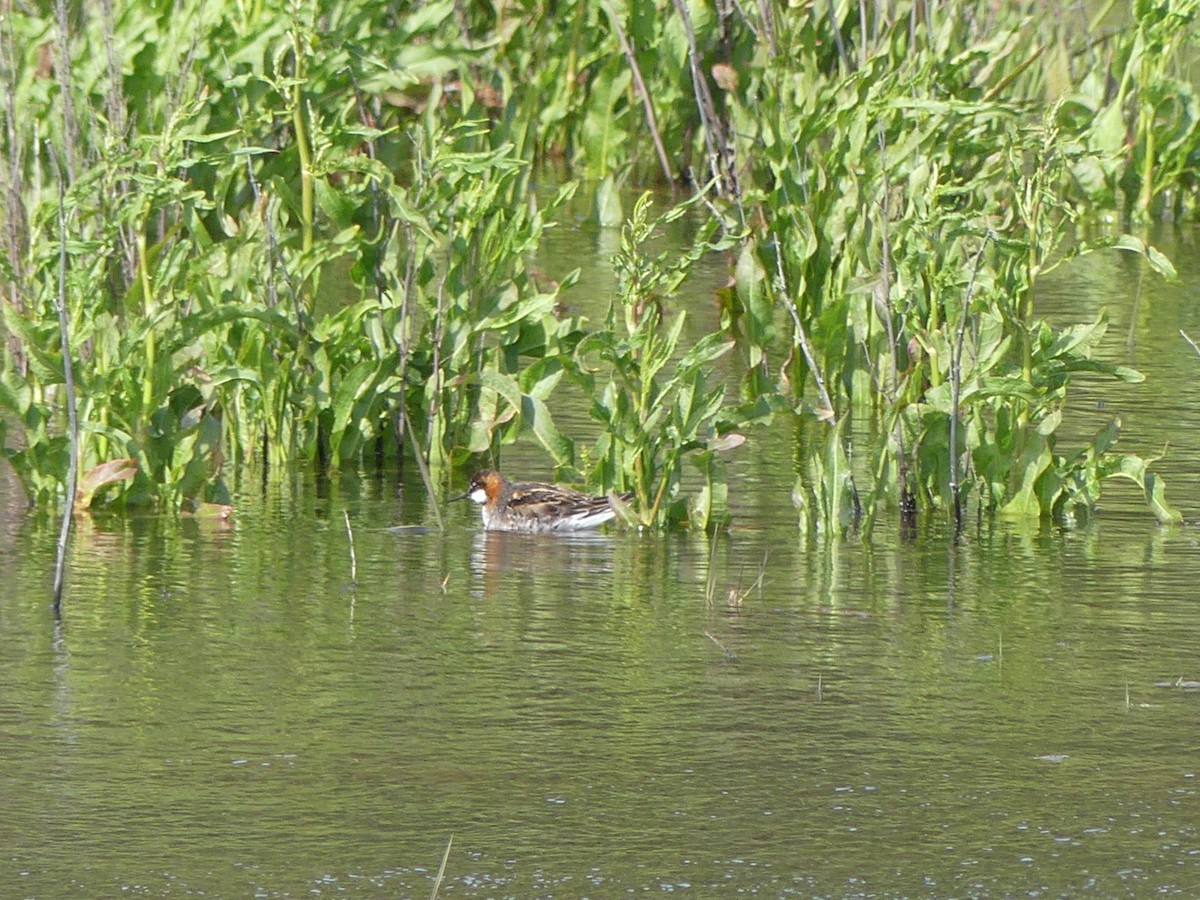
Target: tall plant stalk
point(63, 67)
point(64, 332)
point(299, 124)
point(15, 227)
point(956, 378)
point(721, 157)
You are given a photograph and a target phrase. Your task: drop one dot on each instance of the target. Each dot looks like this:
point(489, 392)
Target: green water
point(223, 713)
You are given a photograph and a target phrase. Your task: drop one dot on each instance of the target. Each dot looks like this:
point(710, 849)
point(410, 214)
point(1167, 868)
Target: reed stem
point(64, 334)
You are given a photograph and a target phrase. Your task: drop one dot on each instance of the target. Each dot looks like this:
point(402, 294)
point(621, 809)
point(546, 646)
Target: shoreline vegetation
point(888, 179)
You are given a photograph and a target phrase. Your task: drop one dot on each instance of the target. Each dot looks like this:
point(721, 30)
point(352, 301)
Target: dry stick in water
point(64, 334)
point(908, 506)
point(70, 129)
point(423, 469)
point(437, 885)
point(406, 300)
point(956, 385)
point(710, 586)
point(15, 231)
point(802, 336)
point(640, 85)
point(1189, 340)
point(802, 340)
point(353, 558)
point(715, 139)
point(1130, 336)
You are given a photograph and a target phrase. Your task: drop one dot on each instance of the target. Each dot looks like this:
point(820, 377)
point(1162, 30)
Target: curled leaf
point(727, 442)
point(111, 472)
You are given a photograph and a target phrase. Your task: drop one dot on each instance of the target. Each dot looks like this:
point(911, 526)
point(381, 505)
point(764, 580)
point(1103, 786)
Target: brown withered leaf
point(488, 97)
point(725, 77)
point(106, 473)
point(44, 68)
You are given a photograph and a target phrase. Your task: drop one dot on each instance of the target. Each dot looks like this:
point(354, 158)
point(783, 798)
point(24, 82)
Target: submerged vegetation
point(302, 231)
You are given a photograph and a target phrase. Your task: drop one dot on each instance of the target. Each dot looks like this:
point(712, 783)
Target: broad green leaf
point(504, 385)
point(1157, 260)
point(609, 213)
point(537, 416)
point(1086, 335)
point(1033, 462)
point(601, 134)
point(1137, 470)
point(756, 300)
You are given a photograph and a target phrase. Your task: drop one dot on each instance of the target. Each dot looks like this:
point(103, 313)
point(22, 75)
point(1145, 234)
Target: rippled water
point(224, 714)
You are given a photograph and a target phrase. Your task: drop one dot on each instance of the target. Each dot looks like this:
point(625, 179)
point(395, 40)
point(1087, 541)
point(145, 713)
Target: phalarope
point(533, 507)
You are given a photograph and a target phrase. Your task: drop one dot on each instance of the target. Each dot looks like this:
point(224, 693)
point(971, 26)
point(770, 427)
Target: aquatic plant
point(657, 404)
point(195, 287)
point(1139, 112)
point(891, 189)
point(907, 231)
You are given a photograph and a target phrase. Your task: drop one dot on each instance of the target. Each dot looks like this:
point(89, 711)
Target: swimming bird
point(533, 507)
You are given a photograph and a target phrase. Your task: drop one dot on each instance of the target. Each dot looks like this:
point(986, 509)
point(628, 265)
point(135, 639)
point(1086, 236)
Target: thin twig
point(908, 509)
point(437, 885)
point(862, 30)
point(720, 153)
point(406, 303)
point(11, 180)
point(1189, 340)
point(814, 370)
point(116, 145)
point(768, 22)
point(802, 336)
point(640, 85)
point(70, 129)
point(275, 260)
point(749, 22)
point(353, 558)
point(889, 309)
point(275, 264)
point(64, 334)
point(729, 654)
point(837, 36)
point(956, 384)
point(380, 221)
point(762, 572)
point(114, 99)
point(423, 469)
point(1134, 313)
point(710, 585)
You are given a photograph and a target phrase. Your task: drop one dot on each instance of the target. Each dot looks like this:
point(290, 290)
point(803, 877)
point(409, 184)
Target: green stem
point(302, 145)
point(662, 488)
point(1146, 126)
point(148, 312)
point(1034, 204)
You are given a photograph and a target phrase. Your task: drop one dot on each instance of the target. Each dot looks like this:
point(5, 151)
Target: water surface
point(223, 713)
